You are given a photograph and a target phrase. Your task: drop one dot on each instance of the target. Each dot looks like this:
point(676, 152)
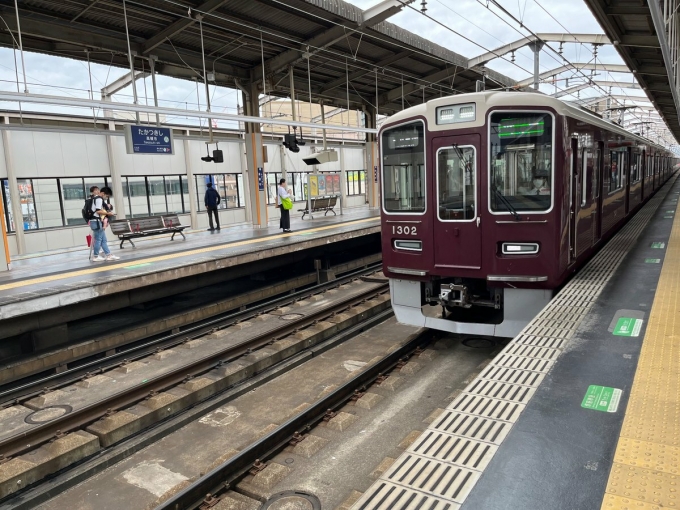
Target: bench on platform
point(146, 226)
point(320, 204)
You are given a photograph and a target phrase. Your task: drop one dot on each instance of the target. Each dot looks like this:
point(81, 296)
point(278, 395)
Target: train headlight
point(408, 245)
point(519, 248)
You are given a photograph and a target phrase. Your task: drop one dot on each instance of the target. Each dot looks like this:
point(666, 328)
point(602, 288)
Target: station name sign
point(148, 140)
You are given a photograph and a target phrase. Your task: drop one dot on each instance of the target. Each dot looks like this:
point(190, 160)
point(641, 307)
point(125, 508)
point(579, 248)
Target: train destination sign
point(148, 140)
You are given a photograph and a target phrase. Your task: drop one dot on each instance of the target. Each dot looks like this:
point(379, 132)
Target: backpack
point(87, 212)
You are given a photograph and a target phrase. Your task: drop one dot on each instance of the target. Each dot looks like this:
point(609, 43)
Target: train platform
point(582, 409)
point(51, 281)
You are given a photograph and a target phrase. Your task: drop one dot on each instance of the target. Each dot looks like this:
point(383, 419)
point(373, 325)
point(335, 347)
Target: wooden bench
point(147, 226)
point(320, 204)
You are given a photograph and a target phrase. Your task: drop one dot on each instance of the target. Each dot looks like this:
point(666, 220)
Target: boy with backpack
point(93, 212)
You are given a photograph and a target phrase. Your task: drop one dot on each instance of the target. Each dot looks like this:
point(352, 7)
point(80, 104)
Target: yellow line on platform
point(170, 256)
point(646, 470)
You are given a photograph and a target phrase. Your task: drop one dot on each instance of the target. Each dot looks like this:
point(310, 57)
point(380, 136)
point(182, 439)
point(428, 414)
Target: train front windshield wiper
point(506, 202)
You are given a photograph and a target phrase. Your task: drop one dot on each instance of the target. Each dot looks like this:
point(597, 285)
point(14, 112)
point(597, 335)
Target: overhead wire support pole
point(21, 45)
point(131, 62)
point(311, 118)
point(205, 79)
point(292, 95)
point(152, 65)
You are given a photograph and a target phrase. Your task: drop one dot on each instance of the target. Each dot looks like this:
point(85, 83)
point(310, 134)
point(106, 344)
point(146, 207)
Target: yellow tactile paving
point(646, 470)
point(612, 502)
point(160, 258)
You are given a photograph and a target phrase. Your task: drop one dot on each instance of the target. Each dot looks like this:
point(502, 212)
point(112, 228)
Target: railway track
point(12, 394)
point(272, 333)
point(205, 492)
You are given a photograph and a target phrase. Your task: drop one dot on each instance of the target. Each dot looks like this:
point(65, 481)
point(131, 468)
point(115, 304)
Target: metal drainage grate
point(455, 450)
point(389, 495)
point(436, 478)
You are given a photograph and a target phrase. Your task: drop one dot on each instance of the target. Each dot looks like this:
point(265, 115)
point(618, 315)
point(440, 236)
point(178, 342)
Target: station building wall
point(51, 168)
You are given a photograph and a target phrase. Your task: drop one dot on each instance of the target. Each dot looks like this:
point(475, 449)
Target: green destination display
point(627, 326)
point(602, 398)
point(652, 261)
point(658, 245)
point(521, 127)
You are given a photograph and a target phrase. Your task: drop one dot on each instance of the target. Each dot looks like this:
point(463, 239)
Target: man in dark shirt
point(212, 200)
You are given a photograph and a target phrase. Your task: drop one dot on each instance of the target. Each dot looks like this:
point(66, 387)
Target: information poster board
point(324, 185)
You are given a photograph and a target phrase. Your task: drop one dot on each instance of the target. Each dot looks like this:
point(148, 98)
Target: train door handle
point(478, 221)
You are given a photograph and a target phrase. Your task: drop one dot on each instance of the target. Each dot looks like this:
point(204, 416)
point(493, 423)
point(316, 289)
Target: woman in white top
point(282, 193)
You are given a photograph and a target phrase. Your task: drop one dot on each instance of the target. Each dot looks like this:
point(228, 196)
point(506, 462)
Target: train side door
point(573, 198)
point(597, 193)
point(457, 231)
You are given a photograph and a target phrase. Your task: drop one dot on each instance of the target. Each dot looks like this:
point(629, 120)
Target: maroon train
point(491, 200)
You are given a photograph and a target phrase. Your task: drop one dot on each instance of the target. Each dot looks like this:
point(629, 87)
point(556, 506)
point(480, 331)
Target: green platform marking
point(652, 261)
point(602, 398)
point(658, 245)
point(628, 326)
point(668, 217)
point(670, 212)
point(138, 265)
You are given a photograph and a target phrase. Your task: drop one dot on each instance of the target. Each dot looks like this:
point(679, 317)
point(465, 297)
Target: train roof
point(494, 99)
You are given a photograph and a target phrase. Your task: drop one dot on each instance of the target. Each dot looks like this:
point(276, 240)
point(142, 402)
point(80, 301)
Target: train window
point(403, 167)
point(586, 169)
point(615, 170)
point(520, 161)
point(456, 177)
point(636, 168)
point(596, 174)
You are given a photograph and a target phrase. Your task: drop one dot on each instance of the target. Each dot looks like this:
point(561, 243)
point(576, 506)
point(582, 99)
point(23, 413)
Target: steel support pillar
point(116, 177)
point(536, 47)
point(255, 171)
point(15, 199)
point(193, 200)
point(371, 155)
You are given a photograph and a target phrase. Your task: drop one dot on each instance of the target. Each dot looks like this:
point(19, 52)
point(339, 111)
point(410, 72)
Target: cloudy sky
point(469, 18)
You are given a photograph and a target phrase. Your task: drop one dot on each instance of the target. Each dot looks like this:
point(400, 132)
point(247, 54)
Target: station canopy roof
point(339, 37)
point(637, 29)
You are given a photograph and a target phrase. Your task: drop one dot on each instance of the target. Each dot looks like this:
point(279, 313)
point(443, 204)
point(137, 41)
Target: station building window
point(520, 161)
point(356, 182)
point(49, 203)
point(229, 186)
point(155, 195)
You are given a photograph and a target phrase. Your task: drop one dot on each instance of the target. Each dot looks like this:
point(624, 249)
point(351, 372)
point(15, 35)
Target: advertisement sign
point(148, 140)
point(336, 184)
point(321, 179)
point(314, 185)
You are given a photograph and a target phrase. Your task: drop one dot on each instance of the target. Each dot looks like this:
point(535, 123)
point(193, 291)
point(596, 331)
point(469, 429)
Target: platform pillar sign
point(372, 176)
point(257, 181)
point(148, 140)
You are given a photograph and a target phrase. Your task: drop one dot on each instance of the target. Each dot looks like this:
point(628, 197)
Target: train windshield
point(521, 161)
point(403, 167)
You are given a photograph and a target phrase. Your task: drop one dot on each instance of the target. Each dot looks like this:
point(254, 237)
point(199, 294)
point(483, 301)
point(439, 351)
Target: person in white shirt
point(282, 193)
point(98, 228)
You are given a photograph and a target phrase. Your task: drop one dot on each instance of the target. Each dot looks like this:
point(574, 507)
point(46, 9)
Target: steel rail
point(79, 418)
point(225, 476)
point(16, 394)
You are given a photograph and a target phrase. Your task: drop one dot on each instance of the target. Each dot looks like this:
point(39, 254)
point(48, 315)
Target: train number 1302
point(409, 231)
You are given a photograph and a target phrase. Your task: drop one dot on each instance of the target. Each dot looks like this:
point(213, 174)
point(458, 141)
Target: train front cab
point(450, 234)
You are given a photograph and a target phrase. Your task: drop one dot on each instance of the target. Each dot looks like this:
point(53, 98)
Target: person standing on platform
point(282, 193)
point(100, 210)
point(212, 200)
